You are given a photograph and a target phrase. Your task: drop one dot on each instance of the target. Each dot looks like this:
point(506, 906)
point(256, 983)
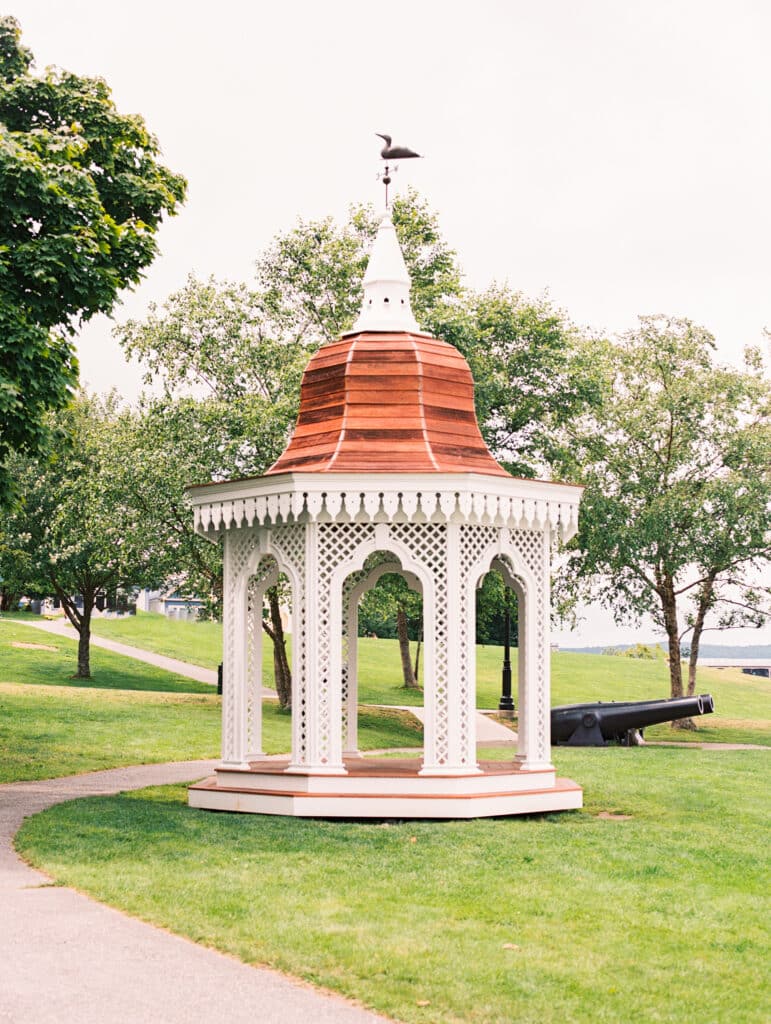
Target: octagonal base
point(385, 788)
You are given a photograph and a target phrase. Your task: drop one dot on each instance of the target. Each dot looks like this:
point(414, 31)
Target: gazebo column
point(317, 740)
point(350, 674)
point(534, 671)
point(237, 546)
point(450, 735)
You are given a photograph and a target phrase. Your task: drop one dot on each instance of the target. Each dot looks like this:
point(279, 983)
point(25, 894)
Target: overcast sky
point(615, 153)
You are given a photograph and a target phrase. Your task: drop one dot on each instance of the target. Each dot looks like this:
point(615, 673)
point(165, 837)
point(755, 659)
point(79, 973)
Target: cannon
point(592, 725)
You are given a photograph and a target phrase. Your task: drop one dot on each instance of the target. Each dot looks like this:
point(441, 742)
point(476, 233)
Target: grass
point(575, 677)
point(556, 918)
point(199, 643)
point(742, 701)
point(47, 731)
point(52, 660)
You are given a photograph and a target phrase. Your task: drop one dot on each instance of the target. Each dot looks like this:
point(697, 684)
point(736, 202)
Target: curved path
point(65, 957)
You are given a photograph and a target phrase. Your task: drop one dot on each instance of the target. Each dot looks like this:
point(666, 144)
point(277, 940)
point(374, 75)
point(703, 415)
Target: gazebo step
point(384, 776)
point(563, 795)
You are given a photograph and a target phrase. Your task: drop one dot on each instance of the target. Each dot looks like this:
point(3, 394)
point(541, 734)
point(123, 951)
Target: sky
point(615, 155)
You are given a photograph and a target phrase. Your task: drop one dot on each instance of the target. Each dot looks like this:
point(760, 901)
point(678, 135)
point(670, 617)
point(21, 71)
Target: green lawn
point(199, 643)
point(128, 713)
point(743, 702)
point(46, 731)
point(558, 918)
point(52, 660)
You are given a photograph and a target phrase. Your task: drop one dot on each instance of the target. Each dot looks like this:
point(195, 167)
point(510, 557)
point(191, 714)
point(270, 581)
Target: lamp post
point(506, 703)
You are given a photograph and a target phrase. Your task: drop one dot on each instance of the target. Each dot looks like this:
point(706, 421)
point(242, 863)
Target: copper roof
point(387, 402)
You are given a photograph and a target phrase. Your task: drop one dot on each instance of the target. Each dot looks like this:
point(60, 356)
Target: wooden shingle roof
point(387, 402)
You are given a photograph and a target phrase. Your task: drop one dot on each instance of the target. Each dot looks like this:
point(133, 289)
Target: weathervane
point(389, 152)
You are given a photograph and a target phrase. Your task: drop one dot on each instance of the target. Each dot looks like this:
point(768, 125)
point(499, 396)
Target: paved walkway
point(64, 957)
point(489, 732)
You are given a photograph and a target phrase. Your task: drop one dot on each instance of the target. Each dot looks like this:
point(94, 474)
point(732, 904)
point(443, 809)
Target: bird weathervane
point(391, 153)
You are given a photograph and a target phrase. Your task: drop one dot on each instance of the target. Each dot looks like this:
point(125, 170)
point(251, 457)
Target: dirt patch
point(612, 816)
point(34, 647)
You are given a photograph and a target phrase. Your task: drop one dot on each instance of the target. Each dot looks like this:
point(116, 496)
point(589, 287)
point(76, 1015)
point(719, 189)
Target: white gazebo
point(386, 472)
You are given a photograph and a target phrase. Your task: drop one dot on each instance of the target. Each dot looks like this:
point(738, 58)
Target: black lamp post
point(506, 701)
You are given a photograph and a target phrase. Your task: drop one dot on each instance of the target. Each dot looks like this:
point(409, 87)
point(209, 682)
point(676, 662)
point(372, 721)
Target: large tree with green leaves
point(676, 519)
point(82, 194)
point(76, 530)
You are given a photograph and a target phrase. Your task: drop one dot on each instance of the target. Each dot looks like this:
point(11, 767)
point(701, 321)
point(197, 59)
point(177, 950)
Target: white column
point(351, 671)
point(254, 655)
point(317, 741)
point(236, 550)
point(534, 722)
point(450, 715)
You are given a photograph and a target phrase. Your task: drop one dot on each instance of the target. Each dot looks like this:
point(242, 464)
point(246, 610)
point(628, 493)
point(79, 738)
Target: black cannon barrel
point(595, 724)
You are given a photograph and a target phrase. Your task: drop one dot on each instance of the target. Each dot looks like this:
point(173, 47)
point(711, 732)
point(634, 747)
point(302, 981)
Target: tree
point(491, 600)
point(391, 608)
point(676, 518)
point(82, 195)
point(532, 371)
point(79, 535)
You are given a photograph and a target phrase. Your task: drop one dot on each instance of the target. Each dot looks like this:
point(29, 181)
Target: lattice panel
point(533, 549)
point(289, 544)
point(530, 545)
point(534, 552)
point(337, 542)
point(351, 582)
point(427, 544)
point(254, 598)
point(240, 546)
point(474, 542)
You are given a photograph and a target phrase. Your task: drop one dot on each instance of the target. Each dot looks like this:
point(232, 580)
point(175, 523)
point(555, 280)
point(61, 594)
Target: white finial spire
point(386, 304)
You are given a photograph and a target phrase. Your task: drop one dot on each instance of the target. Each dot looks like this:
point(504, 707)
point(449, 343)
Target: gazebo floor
point(386, 788)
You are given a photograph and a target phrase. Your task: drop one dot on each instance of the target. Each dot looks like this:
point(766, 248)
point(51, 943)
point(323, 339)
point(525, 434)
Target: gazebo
point(386, 471)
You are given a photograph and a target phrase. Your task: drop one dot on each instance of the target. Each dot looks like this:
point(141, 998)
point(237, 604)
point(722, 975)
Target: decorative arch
point(522, 558)
point(354, 587)
point(381, 538)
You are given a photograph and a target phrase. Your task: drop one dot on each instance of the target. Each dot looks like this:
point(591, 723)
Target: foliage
point(638, 650)
point(491, 601)
point(675, 521)
point(532, 370)
point(311, 277)
point(509, 897)
point(173, 443)
point(82, 195)
point(74, 522)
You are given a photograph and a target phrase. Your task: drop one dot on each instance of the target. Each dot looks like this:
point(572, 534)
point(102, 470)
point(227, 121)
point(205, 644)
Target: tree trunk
point(281, 670)
point(84, 641)
point(669, 608)
point(705, 602)
point(416, 669)
point(7, 600)
point(410, 682)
